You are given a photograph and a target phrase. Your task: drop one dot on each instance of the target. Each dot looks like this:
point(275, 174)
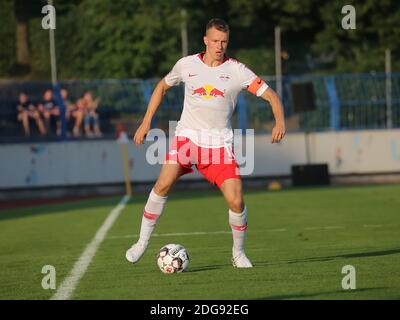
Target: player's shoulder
point(188, 60)
point(236, 64)
point(233, 61)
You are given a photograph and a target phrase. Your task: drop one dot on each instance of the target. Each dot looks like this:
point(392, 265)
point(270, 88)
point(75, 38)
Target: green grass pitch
point(298, 241)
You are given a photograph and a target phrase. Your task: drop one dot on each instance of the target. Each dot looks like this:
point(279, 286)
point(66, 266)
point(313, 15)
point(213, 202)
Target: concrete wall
point(99, 162)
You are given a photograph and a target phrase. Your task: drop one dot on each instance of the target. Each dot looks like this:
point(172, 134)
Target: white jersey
point(210, 98)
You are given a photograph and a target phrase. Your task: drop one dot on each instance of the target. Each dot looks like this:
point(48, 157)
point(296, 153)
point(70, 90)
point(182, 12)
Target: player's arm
point(279, 130)
point(154, 103)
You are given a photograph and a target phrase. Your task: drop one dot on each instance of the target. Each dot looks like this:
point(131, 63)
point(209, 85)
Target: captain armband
point(255, 85)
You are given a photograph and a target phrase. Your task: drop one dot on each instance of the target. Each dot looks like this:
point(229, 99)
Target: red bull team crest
point(208, 92)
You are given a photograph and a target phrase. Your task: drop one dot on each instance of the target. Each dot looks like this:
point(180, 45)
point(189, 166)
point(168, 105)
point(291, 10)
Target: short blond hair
point(218, 24)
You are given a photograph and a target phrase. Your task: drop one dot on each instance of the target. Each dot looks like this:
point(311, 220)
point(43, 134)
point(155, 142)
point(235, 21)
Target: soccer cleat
point(134, 253)
point(241, 261)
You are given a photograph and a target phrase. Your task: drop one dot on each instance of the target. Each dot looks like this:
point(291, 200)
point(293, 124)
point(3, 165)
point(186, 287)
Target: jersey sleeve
point(174, 77)
point(251, 82)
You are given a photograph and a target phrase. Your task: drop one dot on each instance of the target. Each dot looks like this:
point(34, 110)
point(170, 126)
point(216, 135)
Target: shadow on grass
point(341, 256)
point(207, 268)
point(83, 204)
point(137, 199)
point(316, 294)
point(24, 212)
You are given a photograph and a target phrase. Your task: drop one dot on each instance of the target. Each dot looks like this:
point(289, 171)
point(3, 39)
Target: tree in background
point(118, 39)
point(7, 34)
point(97, 39)
point(362, 49)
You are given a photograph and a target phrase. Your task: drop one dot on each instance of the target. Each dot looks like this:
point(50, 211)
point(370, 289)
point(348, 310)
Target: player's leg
point(225, 175)
point(232, 191)
point(170, 172)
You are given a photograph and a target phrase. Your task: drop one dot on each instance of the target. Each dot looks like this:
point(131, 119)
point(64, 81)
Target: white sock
point(152, 212)
point(238, 222)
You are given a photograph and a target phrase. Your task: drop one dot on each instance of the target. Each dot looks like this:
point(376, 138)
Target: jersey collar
point(201, 54)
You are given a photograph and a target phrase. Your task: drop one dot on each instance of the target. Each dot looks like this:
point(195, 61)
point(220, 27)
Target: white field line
point(276, 230)
point(380, 225)
point(171, 234)
point(129, 236)
point(69, 284)
point(324, 228)
point(189, 233)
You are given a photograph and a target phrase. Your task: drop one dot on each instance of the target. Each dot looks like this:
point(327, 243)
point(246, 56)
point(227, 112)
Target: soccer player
point(203, 136)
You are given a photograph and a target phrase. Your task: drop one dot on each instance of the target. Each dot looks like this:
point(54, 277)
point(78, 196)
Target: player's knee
point(236, 204)
point(162, 188)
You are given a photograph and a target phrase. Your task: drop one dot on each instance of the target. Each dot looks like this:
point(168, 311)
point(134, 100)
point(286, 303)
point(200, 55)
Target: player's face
point(216, 43)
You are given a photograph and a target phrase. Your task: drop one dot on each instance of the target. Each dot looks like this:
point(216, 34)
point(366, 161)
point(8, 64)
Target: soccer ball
point(173, 258)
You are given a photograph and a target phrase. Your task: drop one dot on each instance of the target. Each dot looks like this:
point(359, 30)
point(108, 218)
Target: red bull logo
point(208, 92)
point(200, 91)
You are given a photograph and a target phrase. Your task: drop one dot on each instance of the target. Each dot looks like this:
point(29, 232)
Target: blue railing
point(342, 102)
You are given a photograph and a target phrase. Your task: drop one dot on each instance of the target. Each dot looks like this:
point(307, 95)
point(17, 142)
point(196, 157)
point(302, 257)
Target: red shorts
point(215, 164)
